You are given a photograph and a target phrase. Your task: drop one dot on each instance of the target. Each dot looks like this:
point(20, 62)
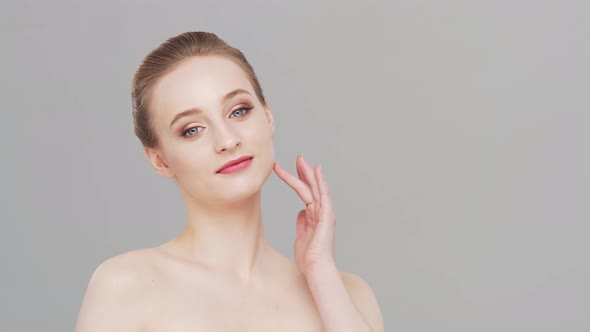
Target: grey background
point(454, 136)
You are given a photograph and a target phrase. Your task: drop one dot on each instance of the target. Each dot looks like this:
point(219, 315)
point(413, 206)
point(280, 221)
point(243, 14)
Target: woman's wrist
point(322, 271)
point(334, 303)
point(320, 268)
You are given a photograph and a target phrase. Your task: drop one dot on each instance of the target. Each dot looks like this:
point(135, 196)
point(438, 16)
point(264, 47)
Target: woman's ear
point(270, 118)
point(158, 162)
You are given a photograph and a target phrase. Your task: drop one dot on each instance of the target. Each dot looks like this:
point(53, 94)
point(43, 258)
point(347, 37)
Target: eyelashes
point(244, 111)
point(184, 134)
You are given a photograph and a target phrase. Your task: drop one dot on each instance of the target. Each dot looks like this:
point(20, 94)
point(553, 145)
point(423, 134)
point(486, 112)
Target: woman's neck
point(226, 238)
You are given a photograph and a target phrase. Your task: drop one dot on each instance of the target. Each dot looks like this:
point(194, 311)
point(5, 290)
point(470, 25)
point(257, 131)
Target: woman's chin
point(236, 187)
point(247, 181)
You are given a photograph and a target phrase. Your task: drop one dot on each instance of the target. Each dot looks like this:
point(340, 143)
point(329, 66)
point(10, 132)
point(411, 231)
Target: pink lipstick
point(235, 165)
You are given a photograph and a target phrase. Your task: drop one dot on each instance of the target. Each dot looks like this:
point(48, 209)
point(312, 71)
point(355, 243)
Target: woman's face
point(226, 122)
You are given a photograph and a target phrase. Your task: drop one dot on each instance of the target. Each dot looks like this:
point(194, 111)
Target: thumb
point(301, 226)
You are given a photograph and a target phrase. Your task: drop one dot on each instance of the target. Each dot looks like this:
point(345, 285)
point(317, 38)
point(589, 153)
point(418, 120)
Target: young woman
point(200, 113)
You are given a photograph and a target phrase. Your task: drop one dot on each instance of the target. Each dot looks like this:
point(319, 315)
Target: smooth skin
point(220, 273)
point(314, 255)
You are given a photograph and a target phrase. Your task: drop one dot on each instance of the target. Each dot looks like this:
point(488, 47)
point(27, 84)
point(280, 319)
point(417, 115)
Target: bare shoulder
point(114, 291)
point(125, 270)
point(365, 300)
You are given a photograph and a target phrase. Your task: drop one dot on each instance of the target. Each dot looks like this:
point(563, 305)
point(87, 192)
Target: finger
point(300, 171)
point(300, 187)
point(310, 178)
point(301, 224)
point(326, 199)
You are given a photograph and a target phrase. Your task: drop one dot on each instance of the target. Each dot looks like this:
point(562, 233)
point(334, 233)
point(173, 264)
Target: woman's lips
point(236, 167)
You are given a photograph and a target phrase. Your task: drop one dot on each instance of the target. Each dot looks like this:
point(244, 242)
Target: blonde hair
point(164, 59)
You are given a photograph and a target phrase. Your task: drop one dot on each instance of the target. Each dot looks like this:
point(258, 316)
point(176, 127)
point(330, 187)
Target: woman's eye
point(241, 111)
point(191, 131)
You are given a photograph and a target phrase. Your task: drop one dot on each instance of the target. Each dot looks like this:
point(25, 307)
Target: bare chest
point(185, 307)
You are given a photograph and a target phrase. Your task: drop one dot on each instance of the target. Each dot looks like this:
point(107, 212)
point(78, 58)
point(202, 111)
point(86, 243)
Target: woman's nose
point(227, 140)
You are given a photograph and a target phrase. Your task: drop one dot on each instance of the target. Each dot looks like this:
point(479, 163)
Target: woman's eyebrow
point(190, 111)
point(232, 94)
point(196, 110)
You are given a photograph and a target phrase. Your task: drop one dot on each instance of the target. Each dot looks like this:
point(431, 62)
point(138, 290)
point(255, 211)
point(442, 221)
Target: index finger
point(299, 186)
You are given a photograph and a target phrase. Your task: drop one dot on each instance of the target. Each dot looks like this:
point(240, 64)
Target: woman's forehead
point(198, 82)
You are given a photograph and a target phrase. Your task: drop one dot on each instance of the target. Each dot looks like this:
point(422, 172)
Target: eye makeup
point(245, 110)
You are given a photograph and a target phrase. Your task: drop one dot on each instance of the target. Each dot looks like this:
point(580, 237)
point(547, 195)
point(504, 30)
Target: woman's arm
point(345, 301)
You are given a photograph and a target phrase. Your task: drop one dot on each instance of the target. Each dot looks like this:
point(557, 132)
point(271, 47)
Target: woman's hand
point(314, 256)
point(315, 228)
